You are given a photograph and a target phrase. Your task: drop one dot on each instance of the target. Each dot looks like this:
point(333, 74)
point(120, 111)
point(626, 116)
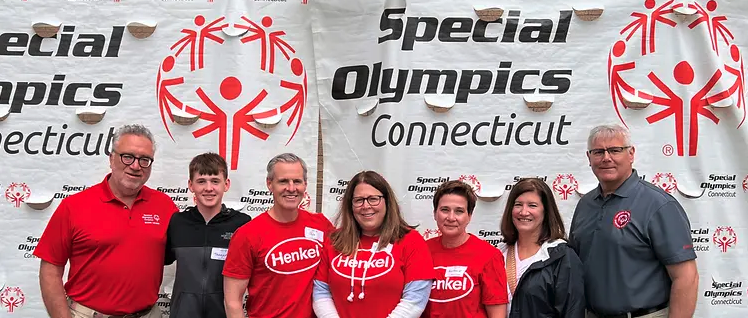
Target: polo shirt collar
point(625, 189)
point(108, 196)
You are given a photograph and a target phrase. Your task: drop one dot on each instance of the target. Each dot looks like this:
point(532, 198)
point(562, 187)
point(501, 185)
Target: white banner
point(232, 77)
point(425, 91)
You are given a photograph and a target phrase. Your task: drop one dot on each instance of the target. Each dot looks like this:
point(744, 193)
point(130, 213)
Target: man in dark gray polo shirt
point(633, 238)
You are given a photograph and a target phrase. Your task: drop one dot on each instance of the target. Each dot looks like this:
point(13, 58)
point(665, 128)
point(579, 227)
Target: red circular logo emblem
point(622, 218)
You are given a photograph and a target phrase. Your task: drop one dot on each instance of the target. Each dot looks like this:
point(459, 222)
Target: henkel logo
point(294, 255)
point(665, 181)
point(564, 185)
point(471, 180)
point(724, 237)
point(377, 265)
point(306, 202)
point(266, 84)
point(12, 298)
point(677, 94)
point(431, 233)
point(17, 193)
point(452, 283)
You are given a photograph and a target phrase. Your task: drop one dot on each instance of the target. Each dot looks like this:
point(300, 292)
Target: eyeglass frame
point(366, 199)
point(122, 158)
point(608, 150)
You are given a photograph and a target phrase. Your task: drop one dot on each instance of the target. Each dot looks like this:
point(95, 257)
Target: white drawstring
point(366, 268)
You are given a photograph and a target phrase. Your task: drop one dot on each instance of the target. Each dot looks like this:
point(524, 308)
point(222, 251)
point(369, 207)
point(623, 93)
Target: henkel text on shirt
point(451, 283)
point(293, 256)
point(379, 265)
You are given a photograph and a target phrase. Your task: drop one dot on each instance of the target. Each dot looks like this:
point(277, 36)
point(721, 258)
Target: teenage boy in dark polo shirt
point(198, 239)
point(633, 238)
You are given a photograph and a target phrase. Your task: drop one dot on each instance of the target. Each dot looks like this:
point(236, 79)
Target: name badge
point(455, 271)
point(314, 234)
point(219, 254)
point(387, 248)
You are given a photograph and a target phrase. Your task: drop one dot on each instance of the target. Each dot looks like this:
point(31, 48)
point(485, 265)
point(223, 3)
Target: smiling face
point(528, 214)
point(288, 185)
point(127, 180)
point(611, 168)
point(369, 208)
point(452, 216)
point(209, 190)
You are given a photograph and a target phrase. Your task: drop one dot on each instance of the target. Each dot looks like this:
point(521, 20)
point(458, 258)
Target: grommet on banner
point(4, 112)
point(46, 30)
point(538, 103)
point(440, 103)
point(231, 30)
point(689, 194)
point(391, 4)
point(90, 115)
point(488, 14)
point(141, 30)
point(39, 203)
point(367, 109)
point(183, 118)
point(489, 196)
point(239, 206)
point(639, 100)
point(683, 12)
point(269, 122)
point(586, 13)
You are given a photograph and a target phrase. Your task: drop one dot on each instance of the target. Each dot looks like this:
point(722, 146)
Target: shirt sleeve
point(493, 281)
point(569, 298)
point(55, 246)
point(239, 258)
point(670, 234)
point(418, 264)
point(169, 255)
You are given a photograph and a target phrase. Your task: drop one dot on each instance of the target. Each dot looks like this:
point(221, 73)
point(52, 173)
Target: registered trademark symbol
point(667, 150)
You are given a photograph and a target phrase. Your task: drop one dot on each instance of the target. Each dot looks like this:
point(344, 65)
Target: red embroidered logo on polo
point(622, 218)
point(452, 283)
point(376, 264)
point(294, 255)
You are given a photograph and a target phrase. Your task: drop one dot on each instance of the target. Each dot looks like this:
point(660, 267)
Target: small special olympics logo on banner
point(17, 193)
point(564, 185)
point(306, 202)
point(666, 182)
point(724, 237)
point(745, 184)
point(471, 180)
point(12, 298)
point(675, 91)
point(431, 233)
point(282, 73)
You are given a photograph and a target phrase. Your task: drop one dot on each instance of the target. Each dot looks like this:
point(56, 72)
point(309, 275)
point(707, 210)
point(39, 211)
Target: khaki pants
point(657, 314)
point(81, 311)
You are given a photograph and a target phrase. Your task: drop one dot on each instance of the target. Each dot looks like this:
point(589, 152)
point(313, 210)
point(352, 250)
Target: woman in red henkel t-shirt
point(470, 277)
point(374, 265)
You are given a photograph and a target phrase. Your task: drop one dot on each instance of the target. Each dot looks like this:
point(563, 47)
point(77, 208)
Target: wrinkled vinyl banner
point(235, 78)
point(426, 91)
point(421, 91)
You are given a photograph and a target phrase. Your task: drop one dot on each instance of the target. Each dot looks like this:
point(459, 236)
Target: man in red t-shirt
point(274, 256)
point(113, 234)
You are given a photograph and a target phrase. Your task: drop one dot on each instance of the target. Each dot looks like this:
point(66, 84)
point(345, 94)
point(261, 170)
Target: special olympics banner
point(492, 91)
point(232, 77)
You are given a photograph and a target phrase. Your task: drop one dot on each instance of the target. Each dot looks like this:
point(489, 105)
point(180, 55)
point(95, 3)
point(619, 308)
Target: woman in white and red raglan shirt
point(470, 276)
point(374, 265)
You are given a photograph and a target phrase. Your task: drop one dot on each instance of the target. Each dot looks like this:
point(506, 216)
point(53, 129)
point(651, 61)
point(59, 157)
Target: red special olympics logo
point(294, 255)
point(17, 193)
point(306, 202)
point(12, 298)
point(471, 180)
point(745, 184)
point(431, 233)
point(724, 237)
point(565, 184)
point(665, 181)
point(678, 91)
point(238, 104)
point(621, 219)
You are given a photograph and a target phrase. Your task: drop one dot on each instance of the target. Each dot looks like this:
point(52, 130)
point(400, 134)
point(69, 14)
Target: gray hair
point(608, 132)
point(136, 130)
point(285, 158)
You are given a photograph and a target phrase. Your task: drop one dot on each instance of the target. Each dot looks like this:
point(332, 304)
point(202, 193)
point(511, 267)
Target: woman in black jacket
point(544, 275)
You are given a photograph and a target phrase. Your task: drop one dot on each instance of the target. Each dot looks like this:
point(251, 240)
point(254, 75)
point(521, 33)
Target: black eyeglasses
point(128, 159)
point(373, 200)
point(613, 151)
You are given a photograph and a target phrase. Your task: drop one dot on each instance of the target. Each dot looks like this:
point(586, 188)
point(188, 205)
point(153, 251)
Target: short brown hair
point(346, 238)
point(208, 163)
point(553, 225)
point(456, 187)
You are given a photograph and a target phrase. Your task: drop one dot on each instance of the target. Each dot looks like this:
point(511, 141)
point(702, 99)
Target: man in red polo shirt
point(114, 235)
point(274, 256)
